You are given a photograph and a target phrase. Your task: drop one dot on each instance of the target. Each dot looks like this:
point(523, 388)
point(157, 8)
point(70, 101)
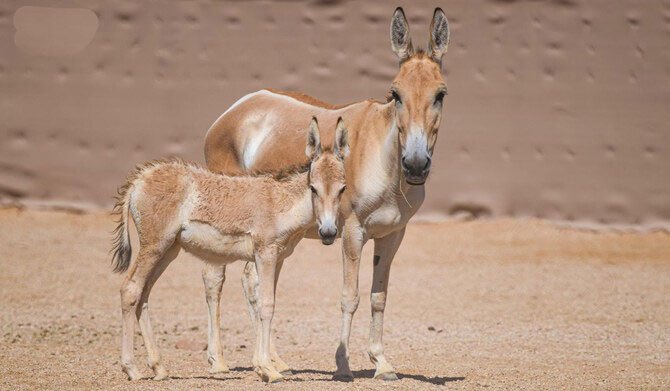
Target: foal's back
point(173, 192)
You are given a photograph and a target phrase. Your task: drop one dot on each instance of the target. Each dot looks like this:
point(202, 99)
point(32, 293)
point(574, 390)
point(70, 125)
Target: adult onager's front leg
point(213, 276)
point(266, 265)
point(353, 239)
point(385, 249)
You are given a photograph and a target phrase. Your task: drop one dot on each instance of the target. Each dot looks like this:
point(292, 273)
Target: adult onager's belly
point(209, 244)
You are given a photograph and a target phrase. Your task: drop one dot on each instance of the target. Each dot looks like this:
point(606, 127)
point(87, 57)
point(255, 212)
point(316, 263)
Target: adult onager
point(391, 150)
point(222, 219)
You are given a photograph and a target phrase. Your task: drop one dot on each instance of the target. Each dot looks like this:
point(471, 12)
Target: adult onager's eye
point(342, 190)
point(439, 97)
point(313, 189)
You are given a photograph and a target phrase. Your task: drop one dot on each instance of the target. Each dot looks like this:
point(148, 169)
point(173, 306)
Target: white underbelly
point(209, 244)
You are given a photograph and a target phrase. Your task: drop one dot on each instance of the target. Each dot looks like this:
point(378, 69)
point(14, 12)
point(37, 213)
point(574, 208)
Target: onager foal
point(222, 219)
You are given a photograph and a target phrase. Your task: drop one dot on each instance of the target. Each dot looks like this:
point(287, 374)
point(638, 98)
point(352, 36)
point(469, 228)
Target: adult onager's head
point(326, 178)
point(418, 91)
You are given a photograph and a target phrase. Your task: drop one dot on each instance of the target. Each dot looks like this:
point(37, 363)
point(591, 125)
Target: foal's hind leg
point(213, 277)
point(250, 285)
point(153, 354)
point(132, 290)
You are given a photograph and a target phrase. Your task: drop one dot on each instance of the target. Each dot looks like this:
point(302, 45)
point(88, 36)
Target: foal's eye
point(313, 189)
point(342, 190)
point(396, 97)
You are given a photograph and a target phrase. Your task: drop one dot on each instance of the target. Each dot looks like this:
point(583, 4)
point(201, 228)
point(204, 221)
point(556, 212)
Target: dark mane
point(287, 172)
point(283, 174)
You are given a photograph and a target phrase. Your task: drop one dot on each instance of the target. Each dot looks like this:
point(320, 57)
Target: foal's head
point(418, 91)
point(326, 178)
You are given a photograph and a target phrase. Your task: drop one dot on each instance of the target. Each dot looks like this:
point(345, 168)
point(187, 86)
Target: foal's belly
point(209, 244)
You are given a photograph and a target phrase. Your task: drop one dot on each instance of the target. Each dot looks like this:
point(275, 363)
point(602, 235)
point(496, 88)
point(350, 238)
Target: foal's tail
point(121, 248)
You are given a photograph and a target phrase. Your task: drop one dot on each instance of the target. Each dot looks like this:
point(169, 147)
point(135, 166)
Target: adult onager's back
point(222, 219)
point(391, 150)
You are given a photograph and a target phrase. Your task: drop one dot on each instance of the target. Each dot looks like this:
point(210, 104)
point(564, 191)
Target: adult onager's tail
point(121, 248)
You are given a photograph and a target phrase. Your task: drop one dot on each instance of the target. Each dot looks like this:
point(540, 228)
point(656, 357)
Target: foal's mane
point(280, 175)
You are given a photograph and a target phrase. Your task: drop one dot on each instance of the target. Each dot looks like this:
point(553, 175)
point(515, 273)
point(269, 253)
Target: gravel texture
point(498, 304)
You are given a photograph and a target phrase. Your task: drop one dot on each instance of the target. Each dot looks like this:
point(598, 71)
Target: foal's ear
point(313, 149)
point(401, 42)
point(341, 148)
point(439, 36)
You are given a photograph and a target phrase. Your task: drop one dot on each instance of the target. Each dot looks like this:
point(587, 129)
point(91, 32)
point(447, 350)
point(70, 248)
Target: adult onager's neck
point(374, 165)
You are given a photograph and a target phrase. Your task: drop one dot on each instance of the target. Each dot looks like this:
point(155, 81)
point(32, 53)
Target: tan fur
point(310, 100)
point(220, 219)
point(391, 148)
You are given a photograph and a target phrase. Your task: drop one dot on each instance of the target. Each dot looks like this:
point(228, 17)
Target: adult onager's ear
point(341, 148)
point(401, 42)
point(313, 149)
point(439, 35)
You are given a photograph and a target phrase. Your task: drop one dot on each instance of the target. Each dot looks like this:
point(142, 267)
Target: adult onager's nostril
point(428, 162)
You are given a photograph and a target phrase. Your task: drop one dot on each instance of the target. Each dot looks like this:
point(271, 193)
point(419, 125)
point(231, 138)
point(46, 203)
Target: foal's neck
point(294, 204)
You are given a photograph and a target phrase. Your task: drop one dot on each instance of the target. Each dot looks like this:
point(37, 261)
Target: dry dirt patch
point(483, 304)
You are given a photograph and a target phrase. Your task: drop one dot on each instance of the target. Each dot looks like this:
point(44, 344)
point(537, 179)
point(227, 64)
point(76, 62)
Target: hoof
point(388, 376)
point(160, 373)
point(287, 372)
point(276, 378)
point(219, 368)
point(344, 377)
point(269, 376)
point(132, 373)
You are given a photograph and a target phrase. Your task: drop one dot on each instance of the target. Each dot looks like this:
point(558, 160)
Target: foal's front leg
point(353, 239)
point(213, 276)
point(250, 285)
point(266, 265)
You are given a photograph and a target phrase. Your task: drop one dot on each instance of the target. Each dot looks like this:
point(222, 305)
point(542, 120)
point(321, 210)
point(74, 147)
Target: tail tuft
point(121, 248)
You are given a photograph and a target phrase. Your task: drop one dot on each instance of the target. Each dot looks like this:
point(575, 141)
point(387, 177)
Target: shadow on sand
point(365, 374)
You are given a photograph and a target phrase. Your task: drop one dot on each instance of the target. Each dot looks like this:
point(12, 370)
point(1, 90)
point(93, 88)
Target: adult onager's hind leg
point(353, 239)
point(135, 291)
point(250, 285)
point(385, 249)
point(213, 276)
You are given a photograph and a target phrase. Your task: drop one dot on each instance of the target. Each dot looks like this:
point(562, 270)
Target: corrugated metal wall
point(556, 109)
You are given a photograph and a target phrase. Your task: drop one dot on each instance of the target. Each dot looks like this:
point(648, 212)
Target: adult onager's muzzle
point(416, 160)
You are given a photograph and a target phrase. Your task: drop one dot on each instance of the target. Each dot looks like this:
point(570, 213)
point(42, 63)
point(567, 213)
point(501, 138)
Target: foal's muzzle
point(328, 235)
point(416, 169)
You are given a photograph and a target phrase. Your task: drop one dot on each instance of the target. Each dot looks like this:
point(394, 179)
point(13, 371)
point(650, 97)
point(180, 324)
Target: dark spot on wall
point(376, 260)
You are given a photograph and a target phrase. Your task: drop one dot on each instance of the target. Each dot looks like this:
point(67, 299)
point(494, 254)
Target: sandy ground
point(502, 304)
